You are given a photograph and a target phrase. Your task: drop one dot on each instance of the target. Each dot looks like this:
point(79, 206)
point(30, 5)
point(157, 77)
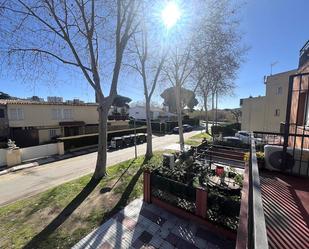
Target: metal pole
point(135, 139)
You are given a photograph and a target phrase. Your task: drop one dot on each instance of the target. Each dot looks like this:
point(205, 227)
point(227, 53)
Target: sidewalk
point(41, 161)
point(142, 225)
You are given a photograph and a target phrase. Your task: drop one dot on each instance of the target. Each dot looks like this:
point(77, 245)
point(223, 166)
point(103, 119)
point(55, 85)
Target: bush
point(225, 130)
point(192, 121)
point(235, 126)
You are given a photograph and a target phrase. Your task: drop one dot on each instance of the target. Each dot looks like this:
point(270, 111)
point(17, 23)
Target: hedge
point(227, 130)
point(80, 141)
point(173, 187)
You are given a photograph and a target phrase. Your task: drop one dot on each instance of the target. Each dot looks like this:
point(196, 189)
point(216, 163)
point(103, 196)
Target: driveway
point(25, 183)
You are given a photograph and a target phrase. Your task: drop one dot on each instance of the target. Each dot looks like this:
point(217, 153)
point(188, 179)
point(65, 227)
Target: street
point(25, 183)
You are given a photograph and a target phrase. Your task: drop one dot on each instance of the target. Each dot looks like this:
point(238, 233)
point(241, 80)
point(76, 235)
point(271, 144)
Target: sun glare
point(170, 14)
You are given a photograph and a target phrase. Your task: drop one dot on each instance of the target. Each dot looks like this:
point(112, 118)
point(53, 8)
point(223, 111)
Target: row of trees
point(102, 38)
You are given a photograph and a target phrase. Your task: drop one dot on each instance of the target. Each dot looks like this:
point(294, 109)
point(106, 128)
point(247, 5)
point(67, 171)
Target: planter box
point(199, 198)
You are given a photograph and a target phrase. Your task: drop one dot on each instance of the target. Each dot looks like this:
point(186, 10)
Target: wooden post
point(147, 187)
point(201, 202)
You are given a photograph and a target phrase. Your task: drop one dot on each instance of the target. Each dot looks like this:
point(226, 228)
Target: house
point(4, 125)
point(30, 122)
point(139, 113)
point(266, 113)
point(297, 122)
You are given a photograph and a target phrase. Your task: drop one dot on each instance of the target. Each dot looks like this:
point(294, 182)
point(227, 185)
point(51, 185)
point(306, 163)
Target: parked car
point(186, 128)
point(233, 141)
point(245, 136)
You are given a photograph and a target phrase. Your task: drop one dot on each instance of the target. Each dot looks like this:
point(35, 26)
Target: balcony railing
point(252, 229)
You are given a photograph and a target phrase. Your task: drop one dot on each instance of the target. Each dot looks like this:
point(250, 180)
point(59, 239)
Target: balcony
point(275, 206)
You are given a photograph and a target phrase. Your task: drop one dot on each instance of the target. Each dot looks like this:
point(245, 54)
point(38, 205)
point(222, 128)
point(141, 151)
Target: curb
point(19, 167)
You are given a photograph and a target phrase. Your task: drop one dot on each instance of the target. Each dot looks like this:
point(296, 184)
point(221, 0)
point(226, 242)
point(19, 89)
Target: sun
point(170, 14)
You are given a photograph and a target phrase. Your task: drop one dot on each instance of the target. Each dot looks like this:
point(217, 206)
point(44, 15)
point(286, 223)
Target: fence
point(38, 151)
point(13, 157)
point(2, 157)
point(187, 201)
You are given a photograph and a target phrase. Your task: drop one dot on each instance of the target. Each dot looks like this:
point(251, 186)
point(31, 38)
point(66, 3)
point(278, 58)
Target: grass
point(61, 216)
point(197, 139)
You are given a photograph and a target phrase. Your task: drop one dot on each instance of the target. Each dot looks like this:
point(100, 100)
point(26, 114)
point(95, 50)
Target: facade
point(4, 126)
point(139, 113)
point(36, 122)
point(268, 112)
point(299, 103)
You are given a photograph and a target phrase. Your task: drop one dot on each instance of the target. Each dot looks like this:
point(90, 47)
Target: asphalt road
point(21, 184)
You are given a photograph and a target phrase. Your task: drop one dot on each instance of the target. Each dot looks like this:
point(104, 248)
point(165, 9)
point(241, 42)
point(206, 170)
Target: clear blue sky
point(274, 30)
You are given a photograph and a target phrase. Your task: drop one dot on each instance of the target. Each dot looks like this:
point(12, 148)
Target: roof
point(32, 102)
point(287, 73)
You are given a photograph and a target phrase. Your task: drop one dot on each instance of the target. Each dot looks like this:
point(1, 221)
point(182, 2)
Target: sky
point(274, 31)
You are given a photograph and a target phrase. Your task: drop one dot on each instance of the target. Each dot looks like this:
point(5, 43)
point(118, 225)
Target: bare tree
point(178, 68)
point(75, 33)
point(149, 66)
point(218, 53)
point(236, 113)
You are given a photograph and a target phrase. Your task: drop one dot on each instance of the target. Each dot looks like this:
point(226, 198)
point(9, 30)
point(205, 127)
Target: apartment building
point(266, 113)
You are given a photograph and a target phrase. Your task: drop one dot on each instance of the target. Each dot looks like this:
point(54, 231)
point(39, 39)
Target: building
point(266, 113)
point(139, 112)
point(4, 125)
point(29, 122)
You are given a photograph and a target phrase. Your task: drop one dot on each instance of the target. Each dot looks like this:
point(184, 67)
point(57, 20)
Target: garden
point(180, 178)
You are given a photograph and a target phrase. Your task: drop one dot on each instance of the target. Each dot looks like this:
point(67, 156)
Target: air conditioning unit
point(274, 156)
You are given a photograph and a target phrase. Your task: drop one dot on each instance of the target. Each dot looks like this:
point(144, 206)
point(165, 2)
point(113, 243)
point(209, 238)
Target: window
point(16, 114)
point(301, 109)
point(56, 114)
point(67, 114)
point(277, 112)
point(52, 133)
point(279, 90)
point(1, 113)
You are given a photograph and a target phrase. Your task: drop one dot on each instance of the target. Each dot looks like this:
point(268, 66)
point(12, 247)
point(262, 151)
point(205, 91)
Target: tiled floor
point(286, 209)
point(142, 225)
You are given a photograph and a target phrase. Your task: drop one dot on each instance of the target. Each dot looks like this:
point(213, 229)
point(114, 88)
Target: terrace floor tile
point(139, 225)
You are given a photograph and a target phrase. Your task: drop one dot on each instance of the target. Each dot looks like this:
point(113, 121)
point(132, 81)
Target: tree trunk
point(100, 169)
point(179, 116)
point(216, 107)
point(213, 108)
point(206, 114)
point(149, 130)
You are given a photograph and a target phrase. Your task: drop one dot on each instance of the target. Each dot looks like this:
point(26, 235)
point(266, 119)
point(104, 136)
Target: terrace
point(240, 201)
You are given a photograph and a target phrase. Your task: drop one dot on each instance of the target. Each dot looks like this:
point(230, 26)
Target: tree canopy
point(187, 98)
point(121, 101)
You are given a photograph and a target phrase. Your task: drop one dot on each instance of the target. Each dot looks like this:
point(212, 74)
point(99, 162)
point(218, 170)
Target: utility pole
point(135, 138)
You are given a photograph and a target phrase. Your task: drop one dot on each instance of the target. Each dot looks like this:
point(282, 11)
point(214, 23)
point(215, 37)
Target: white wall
point(2, 157)
point(38, 151)
point(253, 114)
